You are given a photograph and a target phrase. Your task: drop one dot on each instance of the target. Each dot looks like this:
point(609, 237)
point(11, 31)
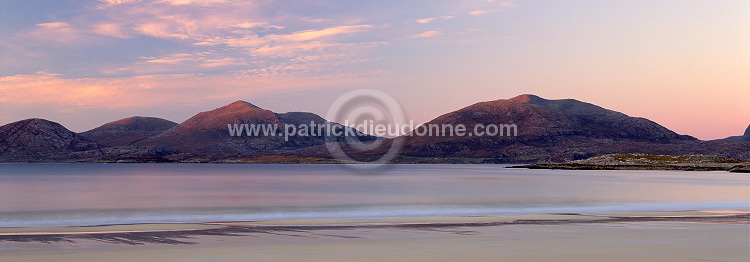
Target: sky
point(682, 63)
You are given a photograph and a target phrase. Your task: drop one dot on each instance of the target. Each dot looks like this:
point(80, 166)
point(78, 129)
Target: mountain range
point(548, 131)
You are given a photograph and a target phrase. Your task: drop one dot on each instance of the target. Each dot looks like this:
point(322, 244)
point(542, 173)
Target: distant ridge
point(126, 131)
point(138, 123)
point(744, 137)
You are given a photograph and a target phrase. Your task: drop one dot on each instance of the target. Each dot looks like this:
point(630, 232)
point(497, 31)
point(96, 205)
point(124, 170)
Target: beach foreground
point(650, 236)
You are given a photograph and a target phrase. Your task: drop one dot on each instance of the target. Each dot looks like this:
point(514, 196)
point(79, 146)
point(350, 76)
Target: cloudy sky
point(682, 63)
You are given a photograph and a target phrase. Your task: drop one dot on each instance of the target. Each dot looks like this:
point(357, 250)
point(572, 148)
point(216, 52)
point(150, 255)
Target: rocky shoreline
point(650, 162)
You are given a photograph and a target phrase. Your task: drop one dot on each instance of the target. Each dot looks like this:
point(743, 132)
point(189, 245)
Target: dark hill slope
point(39, 140)
point(126, 131)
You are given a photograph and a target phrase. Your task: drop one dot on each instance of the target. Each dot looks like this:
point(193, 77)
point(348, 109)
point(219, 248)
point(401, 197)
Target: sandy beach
point(646, 236)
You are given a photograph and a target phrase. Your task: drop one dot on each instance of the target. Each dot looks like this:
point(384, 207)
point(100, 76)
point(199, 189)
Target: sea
point(87, 194)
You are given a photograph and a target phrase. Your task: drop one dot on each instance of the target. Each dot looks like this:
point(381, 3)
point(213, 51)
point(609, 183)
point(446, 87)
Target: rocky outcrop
point(651, 162)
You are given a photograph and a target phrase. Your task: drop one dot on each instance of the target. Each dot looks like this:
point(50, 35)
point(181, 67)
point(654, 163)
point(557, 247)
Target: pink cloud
point(54, 25)
point(513, 3)
point(57, 32)
point(108, 3)
point(507, 3)
point(226, 25)
point(433, 19)
point(265, 25)
point(150, 90)
point(427, 34)
point(481, 12)
point(111, 29)
point(327, 32)
point(236, 53)
point(195, 2)
point(202, 59)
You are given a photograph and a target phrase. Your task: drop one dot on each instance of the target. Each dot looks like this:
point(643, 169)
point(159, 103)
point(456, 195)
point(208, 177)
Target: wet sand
point(646, 236)
point(132, 228)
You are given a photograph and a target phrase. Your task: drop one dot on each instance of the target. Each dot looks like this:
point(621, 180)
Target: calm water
point(95, 194)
